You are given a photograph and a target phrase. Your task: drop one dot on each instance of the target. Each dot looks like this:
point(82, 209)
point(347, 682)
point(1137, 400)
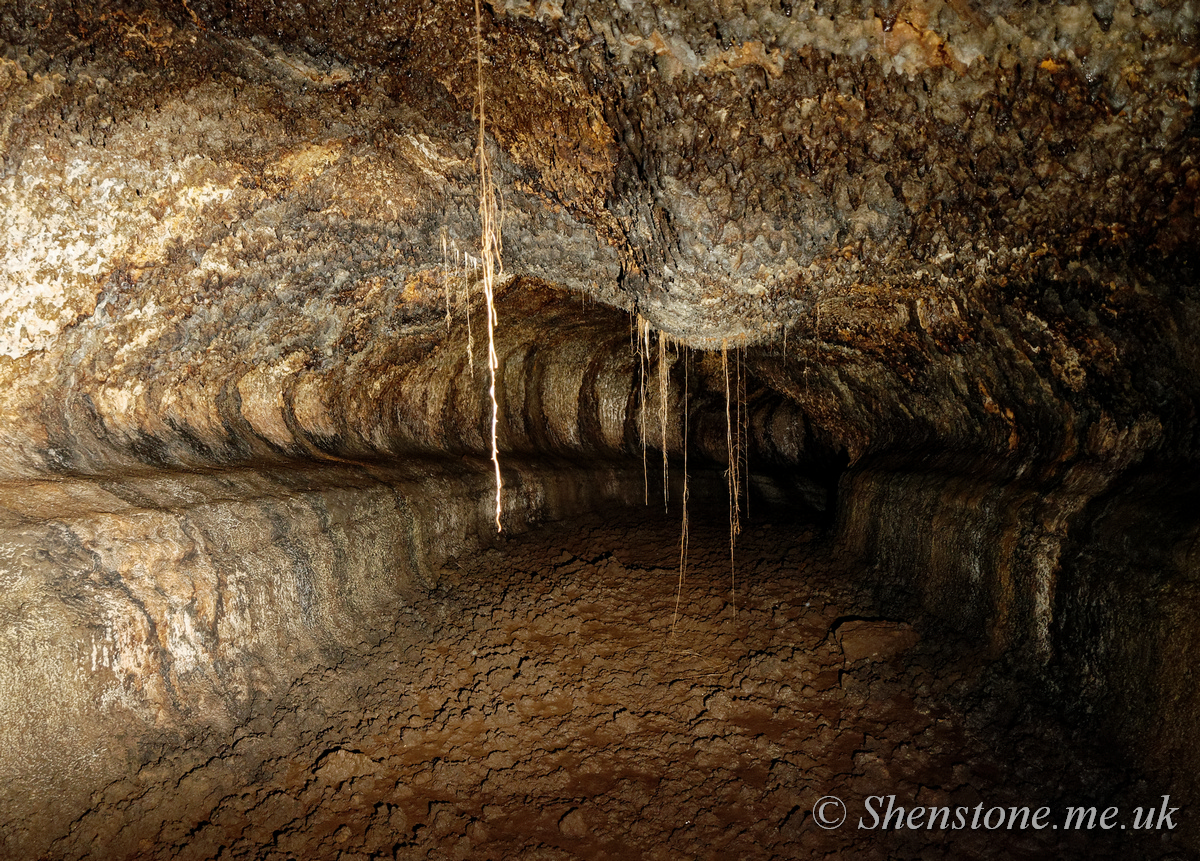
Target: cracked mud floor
point(537, 705)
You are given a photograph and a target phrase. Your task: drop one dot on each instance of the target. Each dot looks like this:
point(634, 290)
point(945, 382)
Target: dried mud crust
point(537, 705)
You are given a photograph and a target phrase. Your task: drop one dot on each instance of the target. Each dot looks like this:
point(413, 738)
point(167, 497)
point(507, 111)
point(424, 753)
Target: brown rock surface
point(538, 705)
point(876, 640)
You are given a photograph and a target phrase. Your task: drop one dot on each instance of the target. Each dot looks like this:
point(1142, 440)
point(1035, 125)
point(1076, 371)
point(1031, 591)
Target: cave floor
point(536, 704)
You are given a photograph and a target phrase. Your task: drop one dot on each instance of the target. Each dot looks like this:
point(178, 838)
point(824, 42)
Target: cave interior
point(558, 429)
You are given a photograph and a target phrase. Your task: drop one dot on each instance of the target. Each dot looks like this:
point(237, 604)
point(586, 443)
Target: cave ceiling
point(245, 231)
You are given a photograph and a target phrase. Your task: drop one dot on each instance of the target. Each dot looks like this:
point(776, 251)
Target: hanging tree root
point(490, 254)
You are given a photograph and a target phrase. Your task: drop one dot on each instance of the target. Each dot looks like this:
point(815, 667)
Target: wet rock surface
point(545, 702)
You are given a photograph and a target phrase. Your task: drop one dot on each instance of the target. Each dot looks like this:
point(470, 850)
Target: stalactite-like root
point(643, 349)
point(467, 305)
point(446, 280)
point(663, 391)
point(743, 425)
point(490, 255)
point(683, 535)
point(733, 446)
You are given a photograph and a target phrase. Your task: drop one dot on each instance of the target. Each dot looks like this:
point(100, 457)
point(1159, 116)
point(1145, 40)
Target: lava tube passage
point(569, 430)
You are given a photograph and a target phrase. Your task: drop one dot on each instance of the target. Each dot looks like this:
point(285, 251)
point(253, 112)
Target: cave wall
point(951, 246)
point(1124, 630)
point(173, 603)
